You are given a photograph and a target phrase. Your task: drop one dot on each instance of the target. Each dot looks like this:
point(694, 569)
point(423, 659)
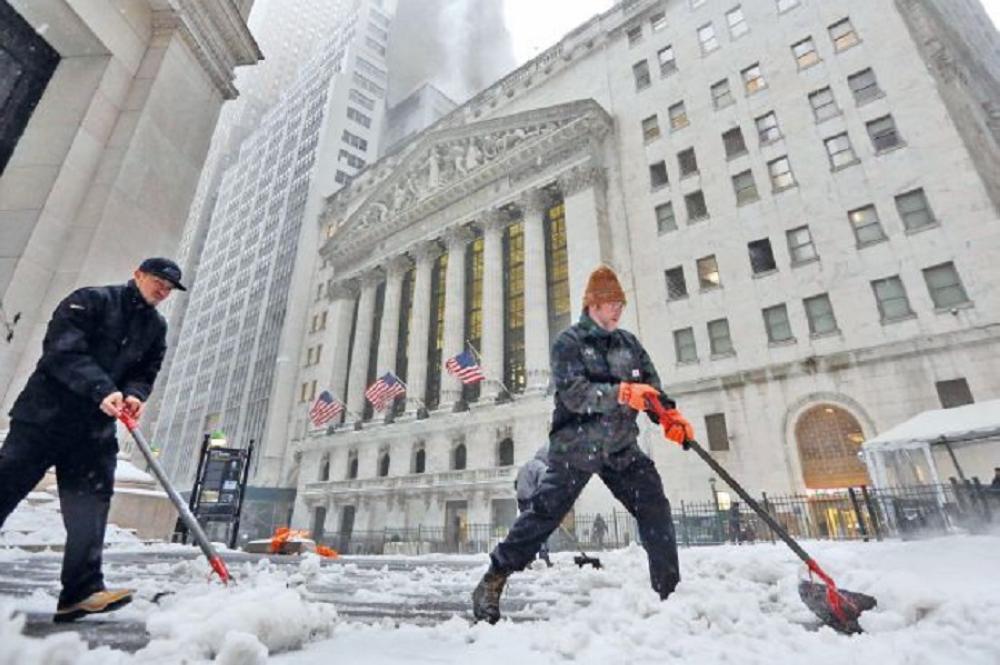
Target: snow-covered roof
point(971, 421)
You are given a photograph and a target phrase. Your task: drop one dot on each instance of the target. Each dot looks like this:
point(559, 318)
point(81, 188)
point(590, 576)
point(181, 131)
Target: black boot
point(486, 597)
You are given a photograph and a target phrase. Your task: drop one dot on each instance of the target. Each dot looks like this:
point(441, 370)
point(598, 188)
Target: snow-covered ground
point(938, 603)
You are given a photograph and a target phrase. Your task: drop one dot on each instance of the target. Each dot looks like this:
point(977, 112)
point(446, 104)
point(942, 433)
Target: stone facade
point(785, 354)
point(108, 163)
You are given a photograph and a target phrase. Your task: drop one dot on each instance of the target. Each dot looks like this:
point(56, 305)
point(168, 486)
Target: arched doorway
point(829, 438)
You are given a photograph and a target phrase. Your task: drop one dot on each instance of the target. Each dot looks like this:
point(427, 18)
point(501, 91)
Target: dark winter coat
point(100, 340)
point(588, 363)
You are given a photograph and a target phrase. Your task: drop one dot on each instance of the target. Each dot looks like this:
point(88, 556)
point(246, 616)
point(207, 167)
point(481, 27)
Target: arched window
point(352, 465)
point(383, 464)
point(505, 452)
point(419, 461)
point(829, 438)
point(458, 457)
point(324, 468)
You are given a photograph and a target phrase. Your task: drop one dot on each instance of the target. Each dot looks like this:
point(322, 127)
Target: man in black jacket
point(603, 378)
point(102, 351)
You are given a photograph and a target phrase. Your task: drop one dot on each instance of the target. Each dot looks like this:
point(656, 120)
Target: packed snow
point(937, 604)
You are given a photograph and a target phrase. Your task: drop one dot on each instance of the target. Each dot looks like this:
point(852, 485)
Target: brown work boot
point(486, 597)
point(107, 600)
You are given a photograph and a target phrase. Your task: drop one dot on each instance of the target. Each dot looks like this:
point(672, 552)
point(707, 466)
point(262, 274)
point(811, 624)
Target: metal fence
point(854, 514)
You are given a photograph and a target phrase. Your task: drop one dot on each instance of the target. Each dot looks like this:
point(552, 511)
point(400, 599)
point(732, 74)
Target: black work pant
point(633, 480)
point(85, 473)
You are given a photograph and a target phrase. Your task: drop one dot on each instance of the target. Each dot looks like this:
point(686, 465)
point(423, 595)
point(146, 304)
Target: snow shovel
point(582, 559)
point(837, 608)
point(214, 560)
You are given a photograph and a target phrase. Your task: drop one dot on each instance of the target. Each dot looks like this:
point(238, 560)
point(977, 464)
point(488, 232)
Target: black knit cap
point(164, 268)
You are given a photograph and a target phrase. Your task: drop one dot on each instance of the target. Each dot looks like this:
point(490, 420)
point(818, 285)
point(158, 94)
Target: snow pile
point(60, 649)
point(40, 524)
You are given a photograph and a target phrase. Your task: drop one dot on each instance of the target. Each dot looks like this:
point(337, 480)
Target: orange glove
point(636, 394)
point(676, 427)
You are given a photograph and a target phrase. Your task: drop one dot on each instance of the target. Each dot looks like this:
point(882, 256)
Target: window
point(420, 460)
point(753, 79)
point(658, 174)
point(767, 128)
point(866, 225)
point(863, 86)
point(676, 286)
point(954, 392)
point(914, 210)
point(800, 245)
point(721, 94)
point(819, 312)
point(324, 468)
point(342, 178)
point(352, 465)
point(696, 208)
point(785, 5)
point(777, 325)
point(458, 458)
point(687, 162)
point(805, 53)
point(658, 21)
point(883, 133)
point(684, 346)
point(352, 160)
point(634, 35)
point(354, 141)
point(842, 34)
point(781, 174)
point(361, 99)
point(665, 221)
point(665, 56)
point(823, 104)
point(840, 151)
point(890, 296)
point(761, 256)
point(715, 428)
point(640, 71)
point(707, 39)
point(359, 117)
point(945, 286)
point(737, 22)
point(678, 116)
point(718, 338)
point(732, 141)
point(650, 128)
point(505, 452)
point(745, 188)
point(708, 273)
point(383, 464)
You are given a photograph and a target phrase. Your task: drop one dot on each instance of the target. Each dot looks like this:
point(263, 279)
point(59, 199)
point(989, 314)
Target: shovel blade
point(852, 604)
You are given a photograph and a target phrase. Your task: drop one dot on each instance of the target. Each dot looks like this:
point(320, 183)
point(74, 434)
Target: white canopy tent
point(910, 453)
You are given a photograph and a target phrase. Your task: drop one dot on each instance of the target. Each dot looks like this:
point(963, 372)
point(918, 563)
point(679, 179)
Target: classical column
point(492, 224)
point(588, 242)
point(358, 375)
point(456, 241)
point(534, 204)
point(420, 322)
point(337, 338)
point(388, 339)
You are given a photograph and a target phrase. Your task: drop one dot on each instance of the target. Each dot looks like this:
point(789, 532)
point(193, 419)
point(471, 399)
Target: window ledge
point(719, 107)
point(830, 333)
point(869, 243)
point(698, 220)
point(953, 309)
point(640, 88)
point(804, 262)
point(656, 188)
point(683, 363)
point(737, 155)
point(906, 317)
point(723, 356)
point(693, 174)
point(677, 129)
point(678, 298)
point(749, 93)
point(926, 227)
point(779, 137)
point(709, 289)
point(838, 51)
point(779, 190)
point(841, 167)
point(819, 121)
point(810, 65)
point(783, 342)
point(869, 98)
point(765, 273)
point(705, 53)
point(654, 139)
point(740, 204)
point(894, 148)
point(668, 73)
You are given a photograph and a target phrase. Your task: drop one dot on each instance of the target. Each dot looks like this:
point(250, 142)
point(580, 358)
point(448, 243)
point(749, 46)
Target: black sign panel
point(219, 494)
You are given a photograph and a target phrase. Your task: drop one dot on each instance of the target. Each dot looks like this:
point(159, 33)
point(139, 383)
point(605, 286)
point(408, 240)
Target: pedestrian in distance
point(526, 485)
point(598, 529)
point(603, 378)
point(100, 356)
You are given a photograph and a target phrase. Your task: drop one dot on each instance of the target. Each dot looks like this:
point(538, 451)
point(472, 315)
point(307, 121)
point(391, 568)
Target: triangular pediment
point(442, 165)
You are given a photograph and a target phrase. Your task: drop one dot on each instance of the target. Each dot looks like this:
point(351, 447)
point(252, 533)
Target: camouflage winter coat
point(588, 363)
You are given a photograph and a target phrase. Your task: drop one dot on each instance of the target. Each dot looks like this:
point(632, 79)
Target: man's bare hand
point(134, 407)
point(113, 404)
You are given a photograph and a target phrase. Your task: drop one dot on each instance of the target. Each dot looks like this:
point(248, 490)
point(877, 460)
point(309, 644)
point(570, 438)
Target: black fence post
point(857, 513)
point(684, 526)
point(983, 500)
point(872, 512)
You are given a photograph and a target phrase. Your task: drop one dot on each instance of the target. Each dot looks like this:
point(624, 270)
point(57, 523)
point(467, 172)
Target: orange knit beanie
point(603, 287)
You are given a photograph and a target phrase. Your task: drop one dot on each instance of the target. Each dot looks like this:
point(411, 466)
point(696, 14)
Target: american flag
point(325, 408)
point(384, 391)
point(465, 368)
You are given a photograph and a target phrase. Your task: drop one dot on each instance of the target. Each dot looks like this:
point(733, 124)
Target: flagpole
point(475, 352)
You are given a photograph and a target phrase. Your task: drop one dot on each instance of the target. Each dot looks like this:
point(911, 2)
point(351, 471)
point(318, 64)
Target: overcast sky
point(537, 24)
